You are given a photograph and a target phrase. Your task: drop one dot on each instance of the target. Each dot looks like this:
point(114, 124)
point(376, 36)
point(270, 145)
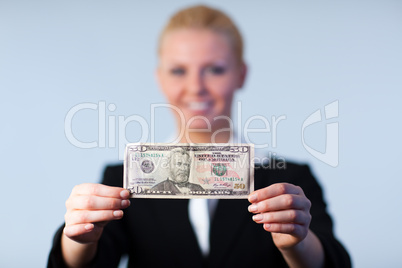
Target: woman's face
point(199, 73)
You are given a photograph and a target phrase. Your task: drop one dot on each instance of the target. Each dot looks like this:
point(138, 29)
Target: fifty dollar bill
point(183, 170)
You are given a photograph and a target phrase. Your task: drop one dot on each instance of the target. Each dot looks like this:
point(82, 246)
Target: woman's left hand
point(284, 210)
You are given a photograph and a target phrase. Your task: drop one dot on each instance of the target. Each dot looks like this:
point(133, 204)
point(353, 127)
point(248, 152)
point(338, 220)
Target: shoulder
point(162, 185)
point(113, 175)
point(195, 187)
point(275, 167)
point(277, 171)
point(166, 185)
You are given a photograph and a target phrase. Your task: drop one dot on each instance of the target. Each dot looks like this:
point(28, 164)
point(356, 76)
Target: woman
point(200, 68)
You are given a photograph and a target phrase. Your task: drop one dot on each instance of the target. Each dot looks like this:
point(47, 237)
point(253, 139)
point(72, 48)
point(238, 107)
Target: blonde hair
point(204, 17)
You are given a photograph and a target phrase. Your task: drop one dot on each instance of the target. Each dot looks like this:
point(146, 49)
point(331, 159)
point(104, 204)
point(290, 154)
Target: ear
point(242, 74)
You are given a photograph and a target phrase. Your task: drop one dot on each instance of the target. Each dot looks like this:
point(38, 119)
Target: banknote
point(202, 170)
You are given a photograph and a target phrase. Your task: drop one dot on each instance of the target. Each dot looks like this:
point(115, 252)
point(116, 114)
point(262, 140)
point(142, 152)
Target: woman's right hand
point(90, 207)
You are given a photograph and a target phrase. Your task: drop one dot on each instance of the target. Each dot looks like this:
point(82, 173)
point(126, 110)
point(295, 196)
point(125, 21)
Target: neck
point(206, 137)
point(221, 133)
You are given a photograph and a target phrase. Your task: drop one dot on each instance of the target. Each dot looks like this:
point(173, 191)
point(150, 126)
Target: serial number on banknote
point(182, 170)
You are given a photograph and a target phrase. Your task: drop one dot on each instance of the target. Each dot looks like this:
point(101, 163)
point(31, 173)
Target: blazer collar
point(173, 215)
point(229, 218)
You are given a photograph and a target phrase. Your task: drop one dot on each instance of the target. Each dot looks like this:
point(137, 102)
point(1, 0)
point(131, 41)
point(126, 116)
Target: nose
point(195, 83)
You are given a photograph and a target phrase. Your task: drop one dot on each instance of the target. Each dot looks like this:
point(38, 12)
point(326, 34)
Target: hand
point(90, 207)
point(284, 210)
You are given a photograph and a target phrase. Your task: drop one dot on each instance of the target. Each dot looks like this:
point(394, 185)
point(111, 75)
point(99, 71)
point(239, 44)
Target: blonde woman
point(284, 222)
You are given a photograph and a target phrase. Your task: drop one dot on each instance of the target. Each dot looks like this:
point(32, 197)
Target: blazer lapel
point(229, 217)
point(173, 216)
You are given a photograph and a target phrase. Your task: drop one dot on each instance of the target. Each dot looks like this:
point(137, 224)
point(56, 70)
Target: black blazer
point(157, 232)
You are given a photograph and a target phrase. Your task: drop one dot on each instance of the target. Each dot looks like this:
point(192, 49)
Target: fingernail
point(257, 217)
point(125, 203)
point(124, 193)
point(252, 198)
point(89, 227)
point(118, 213)
point(252, 208)
point(267, 225)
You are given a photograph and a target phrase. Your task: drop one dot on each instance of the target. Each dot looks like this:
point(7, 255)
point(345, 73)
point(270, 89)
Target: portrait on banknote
point(179, 171)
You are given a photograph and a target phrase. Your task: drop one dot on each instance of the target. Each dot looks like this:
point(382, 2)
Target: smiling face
point(199, 73)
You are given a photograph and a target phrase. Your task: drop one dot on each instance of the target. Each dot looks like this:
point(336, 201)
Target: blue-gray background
point(55, 55)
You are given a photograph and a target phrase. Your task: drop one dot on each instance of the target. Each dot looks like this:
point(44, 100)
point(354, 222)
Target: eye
point(217, 70)
point(178, 71)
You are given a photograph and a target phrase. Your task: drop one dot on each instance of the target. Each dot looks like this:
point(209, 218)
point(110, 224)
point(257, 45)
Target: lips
point(199, 106)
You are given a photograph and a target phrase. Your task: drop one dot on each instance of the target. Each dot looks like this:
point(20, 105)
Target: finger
point(86, 216)
point(274, 190)
point(78, 229)
point(282, 202)
point(286, 228)
point(285, 216)
point(96, 203)
point(100, 190)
